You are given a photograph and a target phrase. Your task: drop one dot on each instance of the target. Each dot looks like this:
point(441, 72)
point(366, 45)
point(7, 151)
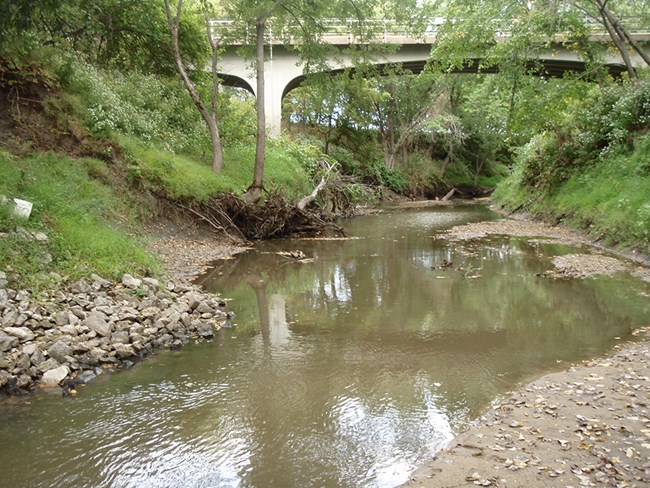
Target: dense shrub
point(593, 169)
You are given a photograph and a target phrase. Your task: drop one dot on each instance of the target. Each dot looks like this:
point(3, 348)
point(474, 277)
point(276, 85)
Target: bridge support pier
point(279, 71)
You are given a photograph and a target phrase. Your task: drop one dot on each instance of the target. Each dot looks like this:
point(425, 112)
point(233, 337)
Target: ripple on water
point(354, 373)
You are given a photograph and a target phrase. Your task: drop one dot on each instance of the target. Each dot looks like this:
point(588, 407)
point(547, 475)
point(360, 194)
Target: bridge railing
point(353, 31)
point(335, 31)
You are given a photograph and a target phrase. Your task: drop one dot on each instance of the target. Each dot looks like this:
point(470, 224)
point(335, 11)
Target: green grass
point(610, 198)
point(86, 221)
point(184, 179)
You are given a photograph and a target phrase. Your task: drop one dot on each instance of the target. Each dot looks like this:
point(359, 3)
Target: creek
point(347, 370)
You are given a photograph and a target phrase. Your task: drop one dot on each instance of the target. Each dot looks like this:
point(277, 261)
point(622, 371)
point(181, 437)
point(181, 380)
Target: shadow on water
point(348, 370)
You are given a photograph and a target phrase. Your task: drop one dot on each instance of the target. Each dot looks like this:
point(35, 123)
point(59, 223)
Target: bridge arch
point(236, 82)
point(285, 72)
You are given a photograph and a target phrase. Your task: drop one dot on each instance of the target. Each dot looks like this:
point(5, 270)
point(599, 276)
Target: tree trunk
point(511, 106)
point(624, 34)
point(446, 162)
point(618, 42)
point(213, 125)
point(209, 117)
point(254, 192)
point(405, 154)
point(389, 144)
point(479, 166)
point(328, 135)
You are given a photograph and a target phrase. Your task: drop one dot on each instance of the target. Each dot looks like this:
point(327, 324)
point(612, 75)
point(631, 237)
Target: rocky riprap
point(82, 329)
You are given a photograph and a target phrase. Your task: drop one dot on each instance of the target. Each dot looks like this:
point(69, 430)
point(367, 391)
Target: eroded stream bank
point(349, 368)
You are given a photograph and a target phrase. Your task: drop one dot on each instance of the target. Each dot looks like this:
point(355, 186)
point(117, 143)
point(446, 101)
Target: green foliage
point(149, 107)
point(83, 218)
point(237, 117)
point(381, 175)
point(184, 179)
point(610, 199)
point(345, 157)
point(171, 175)
point(422, 175)
point(123, 34)
point(154, 109)
point(361, 194)
point(591, 169)
point(605, 123)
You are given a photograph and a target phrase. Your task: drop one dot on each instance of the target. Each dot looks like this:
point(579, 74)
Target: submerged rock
point(84, 377)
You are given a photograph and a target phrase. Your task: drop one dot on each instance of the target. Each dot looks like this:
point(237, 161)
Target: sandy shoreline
point(587, 426)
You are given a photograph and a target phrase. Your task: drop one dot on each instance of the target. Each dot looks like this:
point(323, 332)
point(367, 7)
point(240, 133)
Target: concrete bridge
point(284, 70)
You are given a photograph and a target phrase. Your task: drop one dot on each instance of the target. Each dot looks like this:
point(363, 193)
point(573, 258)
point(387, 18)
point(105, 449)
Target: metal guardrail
point(375, 30)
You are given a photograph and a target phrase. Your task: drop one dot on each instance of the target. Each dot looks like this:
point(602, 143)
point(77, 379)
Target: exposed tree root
point(242, 221)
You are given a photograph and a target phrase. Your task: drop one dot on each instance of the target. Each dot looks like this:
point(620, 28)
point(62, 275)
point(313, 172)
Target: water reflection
point(419, 346)
point(346, 371)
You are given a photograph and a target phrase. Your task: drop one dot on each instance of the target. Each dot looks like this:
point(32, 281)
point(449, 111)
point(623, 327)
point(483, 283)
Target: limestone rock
point(9, 318)
point(84, 377)
point(5, 378)
point(5, 361)
point(7, 341)
point(81, 286)
point(204, 308)
point(54, 376)
point(59, 350)
point(22, 364)
point(120, 337)
point(70, 330)
point(22, 333)
point(96, 321)
point(124, 351)
point(193, 299)
point(40, 236)
point(131, 282)
point(152, 283)
point(47, 365)
point(204, 330)
point(24, 381)
point(100, 282)
point(37, 357)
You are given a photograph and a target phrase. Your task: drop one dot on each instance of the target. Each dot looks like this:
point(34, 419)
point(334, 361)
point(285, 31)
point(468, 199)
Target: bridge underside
point(284, 71)
point(548, 69)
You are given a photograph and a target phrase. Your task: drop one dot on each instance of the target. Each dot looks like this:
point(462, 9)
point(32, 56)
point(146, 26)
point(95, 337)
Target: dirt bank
point(187, 250)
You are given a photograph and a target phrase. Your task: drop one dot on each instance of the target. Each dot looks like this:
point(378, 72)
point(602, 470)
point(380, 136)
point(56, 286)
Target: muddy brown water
point(346, 371)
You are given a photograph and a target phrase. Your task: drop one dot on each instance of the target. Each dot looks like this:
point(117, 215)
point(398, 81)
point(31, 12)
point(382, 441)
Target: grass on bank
point(184, 179)
point(89, 225)
point(610, 199)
